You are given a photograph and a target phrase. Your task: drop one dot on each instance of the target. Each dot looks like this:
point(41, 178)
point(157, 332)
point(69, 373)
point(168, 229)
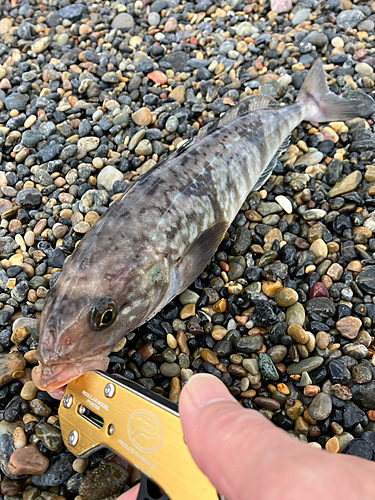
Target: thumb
point(235, 448)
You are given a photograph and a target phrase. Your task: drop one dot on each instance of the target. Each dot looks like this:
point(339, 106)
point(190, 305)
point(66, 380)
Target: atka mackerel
point(153, 242)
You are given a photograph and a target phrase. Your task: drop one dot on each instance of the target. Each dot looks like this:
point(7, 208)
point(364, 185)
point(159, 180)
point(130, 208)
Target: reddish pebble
point(258, 64)
point(193, 40)
point(157, 77)
point(163, 96)
point(318, 290)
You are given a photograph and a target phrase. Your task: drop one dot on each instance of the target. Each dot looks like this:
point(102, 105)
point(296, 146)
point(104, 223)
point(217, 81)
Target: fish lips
point(51, 377)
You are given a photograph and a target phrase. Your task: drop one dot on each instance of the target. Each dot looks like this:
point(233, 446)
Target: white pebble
point(284, 203)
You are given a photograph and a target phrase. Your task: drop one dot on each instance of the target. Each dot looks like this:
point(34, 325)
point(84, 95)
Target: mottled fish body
point(153, 242)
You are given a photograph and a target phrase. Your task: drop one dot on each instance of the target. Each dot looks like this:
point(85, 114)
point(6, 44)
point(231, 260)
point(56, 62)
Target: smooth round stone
point(298, 334)
point(295, 314)
point(267, 403)
point(27, 460)
point(28, 391)
point(277, 353)
point(284, 203)
point(319, 248)
point(108, 176)
point(286, 297)
point(363, 69)
point(321, 406)
point(308, 159)
point(149, 369)
point(237, 267)
point(188, 297)
point(144, 147)
point(314, 214)
point(123, 21)
point(49, 435)
point(38, 407)
point(349, 326)
point(170, 370)
point(249, 345)
point(153, 19)
point(321, 305)
point(172, 124)
point(306, 365)
point(169, 355)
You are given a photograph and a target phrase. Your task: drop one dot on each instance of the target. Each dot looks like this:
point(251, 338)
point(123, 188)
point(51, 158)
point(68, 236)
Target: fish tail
point(322, 105)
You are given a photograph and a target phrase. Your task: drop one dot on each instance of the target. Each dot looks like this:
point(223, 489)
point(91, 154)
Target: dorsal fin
point(250, 103)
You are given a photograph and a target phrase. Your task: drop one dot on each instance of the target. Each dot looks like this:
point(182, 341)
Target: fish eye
point(103, 314)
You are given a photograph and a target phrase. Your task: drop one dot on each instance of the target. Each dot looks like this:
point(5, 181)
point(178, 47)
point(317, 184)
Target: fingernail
point(204, 389)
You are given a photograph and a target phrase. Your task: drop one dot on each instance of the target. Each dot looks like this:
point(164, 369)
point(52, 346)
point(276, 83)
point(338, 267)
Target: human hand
point(246, 456)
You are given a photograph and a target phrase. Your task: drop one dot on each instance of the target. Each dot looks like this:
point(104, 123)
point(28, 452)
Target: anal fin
point(267, 172)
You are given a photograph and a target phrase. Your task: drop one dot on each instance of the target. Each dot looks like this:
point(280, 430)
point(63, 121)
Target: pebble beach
point(92, 95)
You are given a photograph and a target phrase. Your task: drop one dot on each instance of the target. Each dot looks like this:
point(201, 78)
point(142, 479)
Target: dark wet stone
point(170, 370)
point(359, 447)
point(5, 318)
point(352, 415)
point(223, 348)
point(369, 437)
point(364, 395)
point(249, 345)
point(49, 435)
point(264, 315)
point(19, 292)
point(334, 171)
point(241, 241)
point(237, 267)
point(322, 306)
point(73, 12)
point(15, 101)
point(149, 369)
point(338, 372)
point(57, 258)
point(59, 471)
point(177, 59)
point(7, 247)
point(366, 279)
point(30, 138)
point(29, 198)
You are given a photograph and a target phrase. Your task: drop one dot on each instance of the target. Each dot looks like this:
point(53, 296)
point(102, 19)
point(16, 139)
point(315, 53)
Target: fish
point(153, 242)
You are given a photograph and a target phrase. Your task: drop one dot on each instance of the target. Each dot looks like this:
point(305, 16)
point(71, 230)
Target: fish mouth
point(51, 377)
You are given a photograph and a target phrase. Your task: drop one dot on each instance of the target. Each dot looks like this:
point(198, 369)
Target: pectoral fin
point(195, 258)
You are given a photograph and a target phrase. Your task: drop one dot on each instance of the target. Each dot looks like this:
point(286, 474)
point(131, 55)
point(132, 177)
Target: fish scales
point(154, 241)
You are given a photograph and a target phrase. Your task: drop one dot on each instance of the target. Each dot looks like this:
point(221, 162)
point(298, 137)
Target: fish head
point(86, 314)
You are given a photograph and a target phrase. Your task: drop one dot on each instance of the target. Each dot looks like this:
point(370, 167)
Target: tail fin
point(322, 104)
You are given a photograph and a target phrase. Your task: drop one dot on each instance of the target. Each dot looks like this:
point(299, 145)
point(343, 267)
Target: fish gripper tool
point(109, 411)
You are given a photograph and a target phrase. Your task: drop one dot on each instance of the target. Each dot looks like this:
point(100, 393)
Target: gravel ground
point(92, 95)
